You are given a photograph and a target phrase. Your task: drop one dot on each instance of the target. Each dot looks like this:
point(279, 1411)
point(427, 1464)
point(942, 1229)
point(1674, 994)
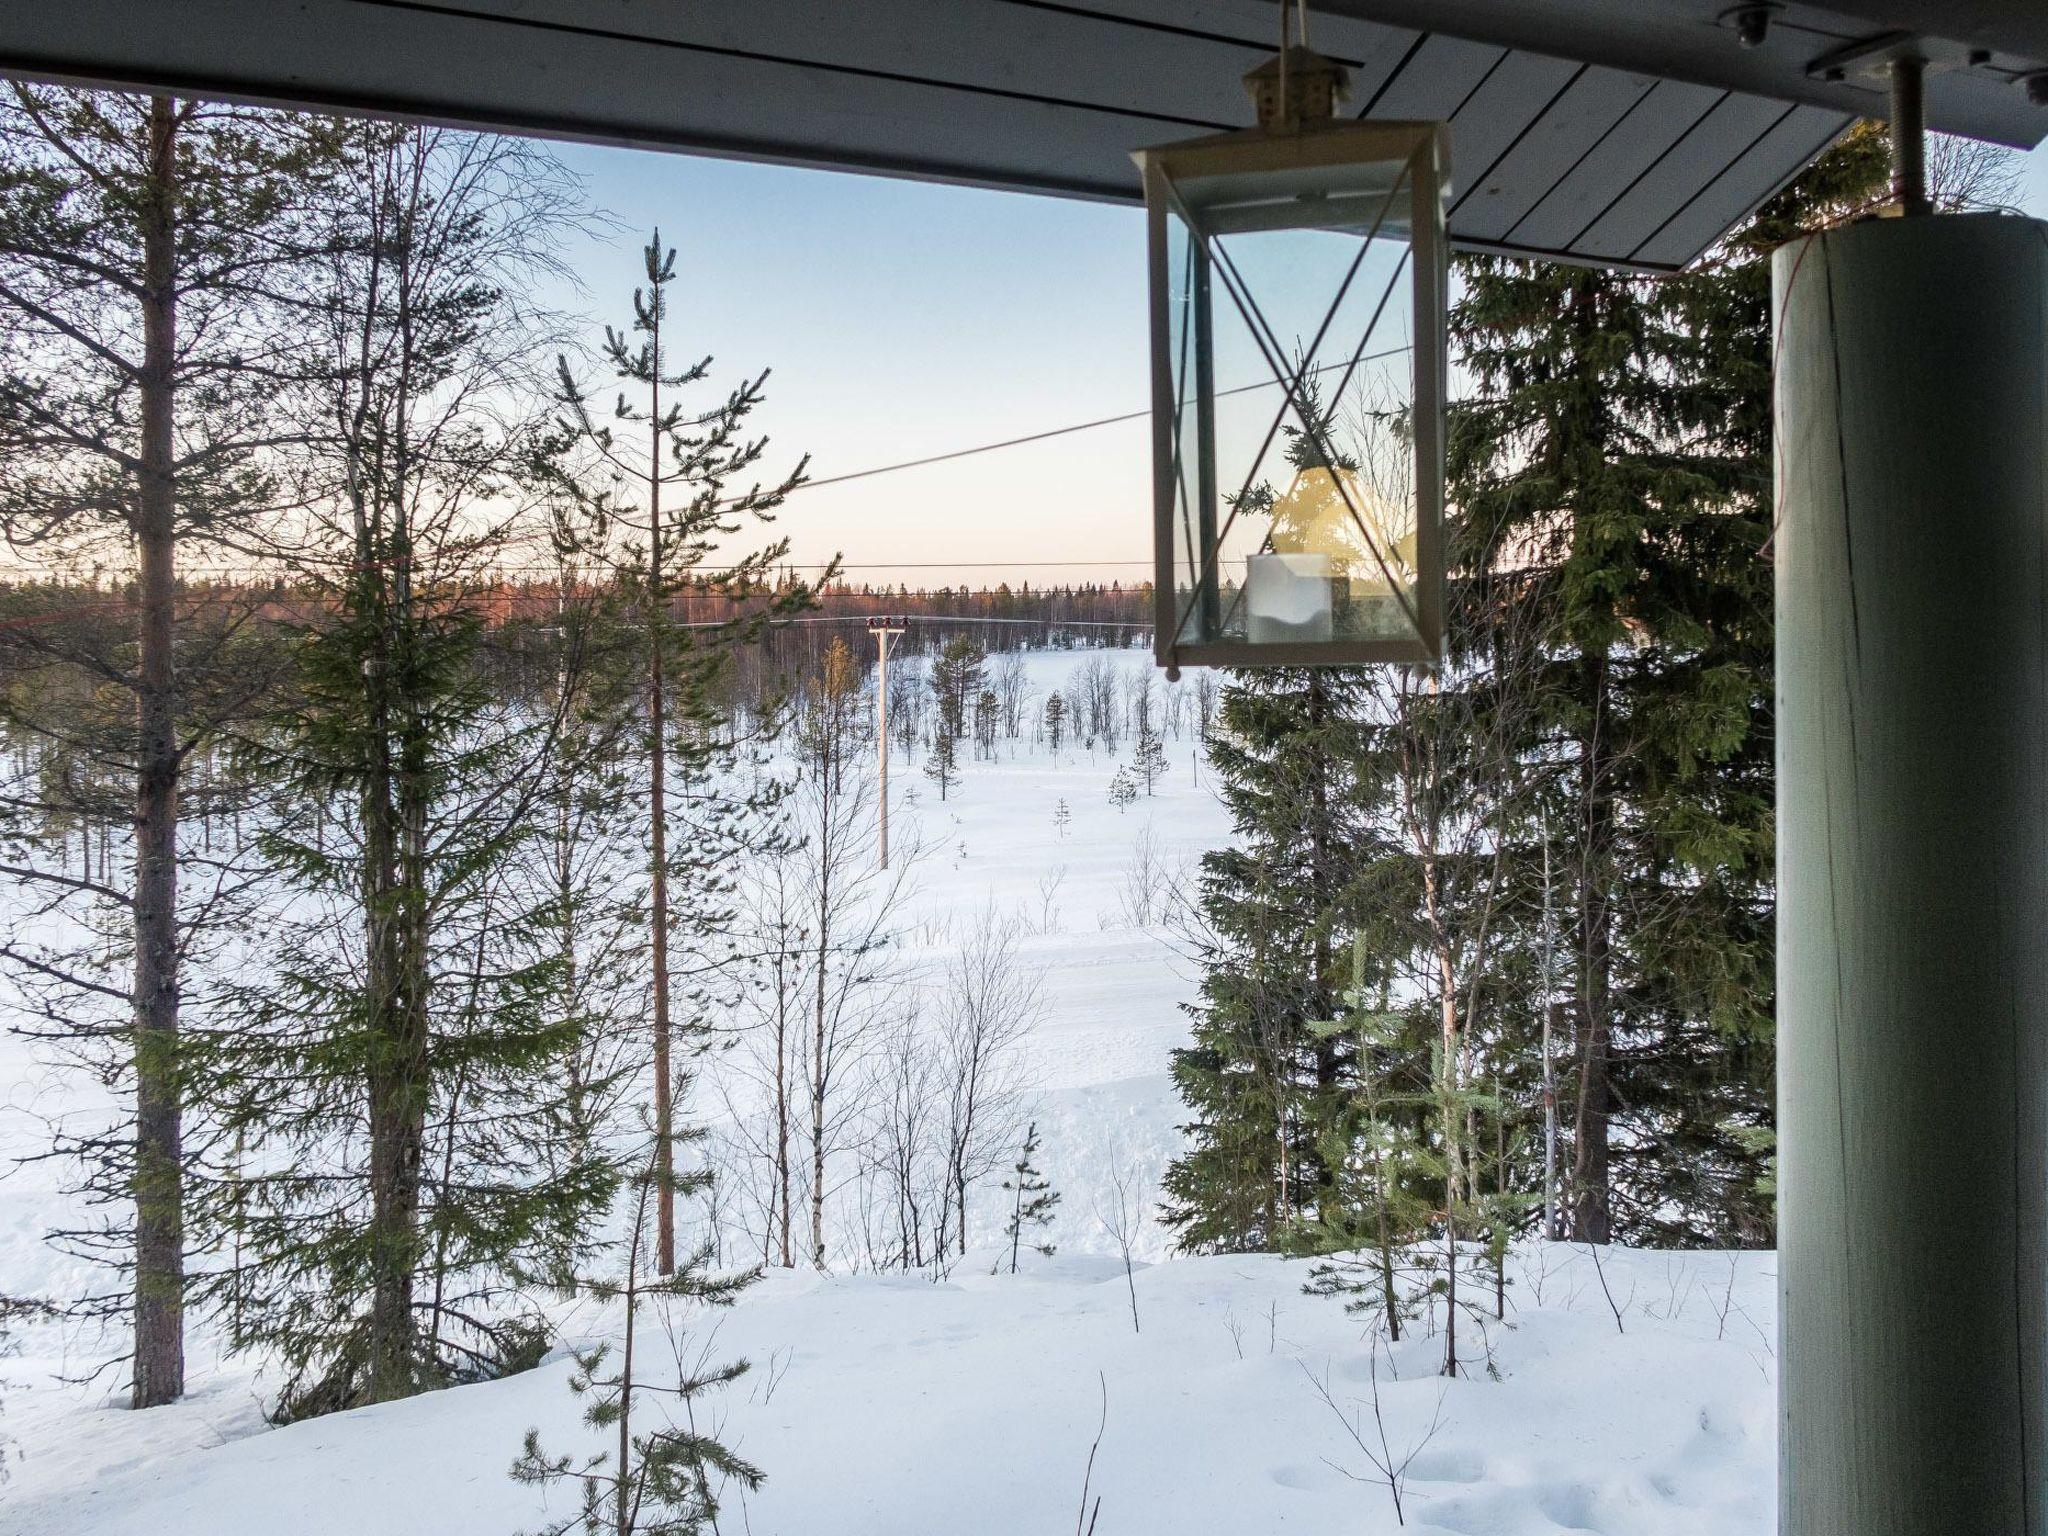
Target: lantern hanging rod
point(1298, 87)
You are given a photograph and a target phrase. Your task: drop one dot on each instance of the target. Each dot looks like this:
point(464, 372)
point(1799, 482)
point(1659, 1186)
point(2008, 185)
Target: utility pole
point(882, 629)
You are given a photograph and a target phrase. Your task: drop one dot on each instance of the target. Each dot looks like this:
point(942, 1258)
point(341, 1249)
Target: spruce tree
point(1385, 1179)
point(1123, 789)
point(1612, 464)
point(942, 759)
point(1055, 721)
point(395, 1080)
point(1278, 909)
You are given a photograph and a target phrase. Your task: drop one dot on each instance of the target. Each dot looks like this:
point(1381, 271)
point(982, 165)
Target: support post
point(1912, 721)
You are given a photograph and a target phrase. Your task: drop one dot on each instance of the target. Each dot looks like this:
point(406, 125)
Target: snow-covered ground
point(895, 1407)
point(892, 1404)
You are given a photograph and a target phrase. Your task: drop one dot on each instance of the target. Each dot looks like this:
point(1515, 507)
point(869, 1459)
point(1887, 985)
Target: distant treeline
point(1000, 617)
point(520, 613)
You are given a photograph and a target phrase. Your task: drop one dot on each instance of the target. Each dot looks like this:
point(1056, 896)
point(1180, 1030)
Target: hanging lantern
point(1298, 290)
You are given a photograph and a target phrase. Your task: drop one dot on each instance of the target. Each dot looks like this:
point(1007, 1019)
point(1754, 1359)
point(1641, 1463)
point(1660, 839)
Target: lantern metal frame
point(1421, 151)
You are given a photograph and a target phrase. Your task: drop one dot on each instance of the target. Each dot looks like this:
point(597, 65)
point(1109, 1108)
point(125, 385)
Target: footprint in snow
point(1300, 1476)
point(1569, 1505)
point(1447, 1466)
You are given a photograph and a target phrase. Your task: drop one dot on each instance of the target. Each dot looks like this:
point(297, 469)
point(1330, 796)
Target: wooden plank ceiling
point(1566, 144)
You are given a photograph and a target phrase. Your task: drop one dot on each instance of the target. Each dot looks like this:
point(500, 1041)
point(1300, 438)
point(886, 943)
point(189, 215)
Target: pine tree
point(1055, 721)
point(1148, 755)
point(660, 474)
point(957, 682)
point(1062, 818)
point(985, 718)
point(1033, 1198)
point(152, 251)
point(660, 1480)
point(942, 759)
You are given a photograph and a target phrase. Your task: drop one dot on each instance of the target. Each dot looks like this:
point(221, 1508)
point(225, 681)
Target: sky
point(903, 319)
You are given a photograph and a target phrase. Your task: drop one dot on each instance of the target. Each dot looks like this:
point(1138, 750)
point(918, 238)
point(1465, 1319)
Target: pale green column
point(1912, 633)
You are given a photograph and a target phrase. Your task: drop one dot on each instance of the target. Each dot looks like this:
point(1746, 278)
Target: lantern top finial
point(1296, 87)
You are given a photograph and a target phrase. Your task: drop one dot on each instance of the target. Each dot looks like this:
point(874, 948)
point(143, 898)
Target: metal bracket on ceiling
point(1899, 62)
point(1870, 60)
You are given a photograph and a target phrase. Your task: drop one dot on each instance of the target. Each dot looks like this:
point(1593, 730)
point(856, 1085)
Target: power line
point(946, 565)
point(936, 618)
point(1079, 426)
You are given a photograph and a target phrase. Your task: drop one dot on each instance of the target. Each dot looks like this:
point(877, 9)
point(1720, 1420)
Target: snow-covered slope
point(895, 1407)
point(901, 1407)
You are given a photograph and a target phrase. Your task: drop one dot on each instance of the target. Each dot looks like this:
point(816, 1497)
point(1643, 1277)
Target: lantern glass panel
point(1298, 356)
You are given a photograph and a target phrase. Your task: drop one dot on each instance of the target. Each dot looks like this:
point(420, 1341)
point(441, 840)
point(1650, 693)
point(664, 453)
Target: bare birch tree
point(989, 1000)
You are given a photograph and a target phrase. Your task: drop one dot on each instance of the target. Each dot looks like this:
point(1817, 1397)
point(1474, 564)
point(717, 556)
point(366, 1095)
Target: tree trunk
point(1322, 880)
point(821, 1065)
point(782, 1168)
point(1592, 1216)
point(394, 820)
point(1454, 1148)
point(818, 1085)
point(657, 811)
point(1389, 1296)
point(389, 1351)
point(960, 1201)
point(159, 1132)
point(396, 792)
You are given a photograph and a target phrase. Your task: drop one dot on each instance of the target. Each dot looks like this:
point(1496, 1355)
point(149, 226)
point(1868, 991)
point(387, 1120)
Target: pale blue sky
point(904, 319)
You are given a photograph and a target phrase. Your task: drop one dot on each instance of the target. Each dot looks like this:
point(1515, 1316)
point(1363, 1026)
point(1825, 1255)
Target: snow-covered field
point(903, 1407)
